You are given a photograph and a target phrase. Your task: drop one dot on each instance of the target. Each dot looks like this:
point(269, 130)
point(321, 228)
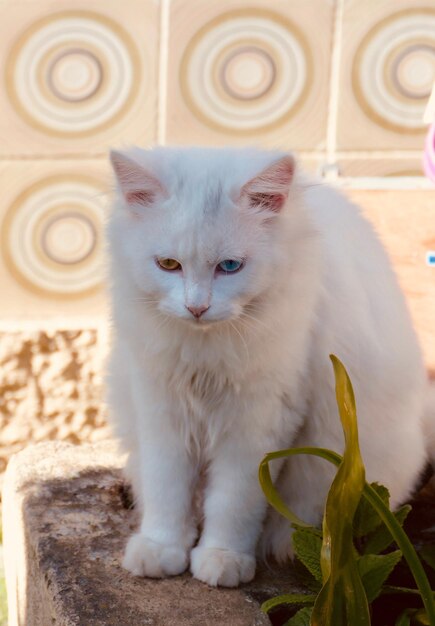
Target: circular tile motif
point(52, 235)
point(73, 73)
point(68, 238)
point(246, 70)
point(394, 70)
point(247, 73)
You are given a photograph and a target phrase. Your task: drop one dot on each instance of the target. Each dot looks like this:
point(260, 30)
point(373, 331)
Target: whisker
point(255, 319)
point(163, 318)
point(241, 337)
point(250, 328)
point(260, 326)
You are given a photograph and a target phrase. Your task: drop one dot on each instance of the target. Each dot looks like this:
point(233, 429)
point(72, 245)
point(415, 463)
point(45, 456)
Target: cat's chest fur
point(210, 381)
point(199, 376)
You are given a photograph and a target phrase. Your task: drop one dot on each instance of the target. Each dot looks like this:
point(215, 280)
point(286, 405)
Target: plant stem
point(408, 551)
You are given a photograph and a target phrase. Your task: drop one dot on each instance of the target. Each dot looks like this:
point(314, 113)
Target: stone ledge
point(65, 526)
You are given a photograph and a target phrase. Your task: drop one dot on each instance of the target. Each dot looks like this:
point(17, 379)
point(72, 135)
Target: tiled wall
point(343, 82)
point(387, 66)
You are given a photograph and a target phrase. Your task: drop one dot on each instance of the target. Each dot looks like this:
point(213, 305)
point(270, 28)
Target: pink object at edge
point(429, 154)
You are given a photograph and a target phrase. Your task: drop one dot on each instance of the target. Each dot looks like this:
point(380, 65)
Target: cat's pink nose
point(197, 311)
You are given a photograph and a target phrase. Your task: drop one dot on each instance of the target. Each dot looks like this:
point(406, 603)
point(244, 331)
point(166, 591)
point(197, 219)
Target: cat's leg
point(235, 506)
point(122, 413)
point(164, 472)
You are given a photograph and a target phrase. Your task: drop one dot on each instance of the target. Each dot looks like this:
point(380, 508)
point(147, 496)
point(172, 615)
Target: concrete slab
point(66, 521)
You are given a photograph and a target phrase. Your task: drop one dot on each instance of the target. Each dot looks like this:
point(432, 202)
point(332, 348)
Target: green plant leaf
point(366, 519)
point(342, 599)
point(307, 544)
point(420, 617)
point(408, 551)
point(381, 538)
point(391, 589)
point(374, 570)
point(413, 616)
point(404, 619)
point(392, 522)
point(288, 599)
point(269, 488)
point(388, 518)
point(301, 618)
point(427, 553)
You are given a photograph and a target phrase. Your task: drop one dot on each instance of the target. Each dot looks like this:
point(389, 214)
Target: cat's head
point(200, 231)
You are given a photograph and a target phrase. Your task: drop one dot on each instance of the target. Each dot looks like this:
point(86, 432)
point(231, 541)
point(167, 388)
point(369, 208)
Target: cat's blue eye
point(229, 265)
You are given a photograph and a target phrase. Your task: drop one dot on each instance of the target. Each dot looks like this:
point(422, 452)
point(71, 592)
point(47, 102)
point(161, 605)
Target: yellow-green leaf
point(404, 619)
point(289, 599)
point(342, 599)
point(302, 618)
point(427, 553)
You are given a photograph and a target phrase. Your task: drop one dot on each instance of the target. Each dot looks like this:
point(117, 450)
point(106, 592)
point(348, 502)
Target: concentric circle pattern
point(394, 70)
point(246, 70)
point(73, 73)
point(52, 236)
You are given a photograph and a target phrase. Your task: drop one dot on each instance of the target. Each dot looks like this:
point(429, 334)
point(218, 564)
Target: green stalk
point(408, 551)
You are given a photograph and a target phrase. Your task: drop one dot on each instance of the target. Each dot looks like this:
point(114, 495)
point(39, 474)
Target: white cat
point(234, 277)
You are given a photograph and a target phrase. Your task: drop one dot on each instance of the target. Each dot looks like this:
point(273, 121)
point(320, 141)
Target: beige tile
point(249, 72)
point(51, 253)
point(312, 164)
point(80, 75)
point(380, 167)
point(387, 71)
point(405, 222)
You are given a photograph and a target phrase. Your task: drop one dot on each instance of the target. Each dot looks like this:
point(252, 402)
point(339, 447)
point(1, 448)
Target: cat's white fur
point(252, 375)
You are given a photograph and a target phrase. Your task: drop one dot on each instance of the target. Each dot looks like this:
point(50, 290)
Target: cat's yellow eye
point(169, 264)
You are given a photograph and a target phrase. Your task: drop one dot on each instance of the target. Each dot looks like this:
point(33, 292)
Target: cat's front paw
point(216, 566)
point(145, 557)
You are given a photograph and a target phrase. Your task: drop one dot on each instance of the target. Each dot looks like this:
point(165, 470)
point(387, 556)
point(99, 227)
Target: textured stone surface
point(50, 388)
point(65, 526)
point(66, 522)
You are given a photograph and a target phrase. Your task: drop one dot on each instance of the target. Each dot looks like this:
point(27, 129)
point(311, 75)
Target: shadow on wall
point(50, 388)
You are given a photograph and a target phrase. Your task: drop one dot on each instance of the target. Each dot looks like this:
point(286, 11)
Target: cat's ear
point(138, 186)
point(269, 190)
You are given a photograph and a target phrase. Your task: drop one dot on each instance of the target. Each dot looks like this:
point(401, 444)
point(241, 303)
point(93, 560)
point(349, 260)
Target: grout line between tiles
point(369, 155)
point(380, 154)
point(56, 155)
point(334, 86)
point(304, 154)
point(362, 154)
point(377, 183)
point(163, 72)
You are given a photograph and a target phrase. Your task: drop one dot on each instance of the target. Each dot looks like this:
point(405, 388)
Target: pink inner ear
point(141, 196)
point(269, 190)
point(136, 183)
point(268, 201)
